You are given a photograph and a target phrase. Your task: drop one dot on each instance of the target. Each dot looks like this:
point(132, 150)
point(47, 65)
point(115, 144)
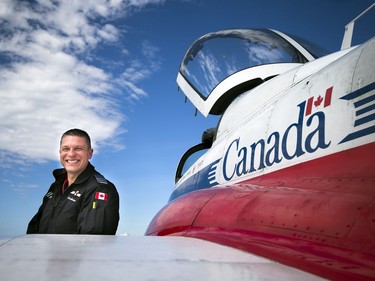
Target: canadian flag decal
point(318, 101)
point(101, 196)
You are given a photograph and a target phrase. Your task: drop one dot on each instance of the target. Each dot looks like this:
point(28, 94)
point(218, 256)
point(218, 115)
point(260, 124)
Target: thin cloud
point(48, 81)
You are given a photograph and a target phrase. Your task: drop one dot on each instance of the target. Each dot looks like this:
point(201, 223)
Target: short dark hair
point(78, 133)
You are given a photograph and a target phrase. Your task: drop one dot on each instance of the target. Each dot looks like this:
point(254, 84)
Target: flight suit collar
point(60, 174)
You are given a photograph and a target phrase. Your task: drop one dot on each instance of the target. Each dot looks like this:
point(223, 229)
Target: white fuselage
point(303, 114)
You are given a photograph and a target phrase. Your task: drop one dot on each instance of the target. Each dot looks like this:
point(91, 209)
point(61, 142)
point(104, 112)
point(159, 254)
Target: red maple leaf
point(318, 101)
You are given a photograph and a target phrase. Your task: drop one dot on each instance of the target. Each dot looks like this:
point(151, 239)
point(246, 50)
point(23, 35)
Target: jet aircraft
point(288, 172)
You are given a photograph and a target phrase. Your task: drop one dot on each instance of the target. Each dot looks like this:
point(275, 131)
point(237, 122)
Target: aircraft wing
point(91, 257)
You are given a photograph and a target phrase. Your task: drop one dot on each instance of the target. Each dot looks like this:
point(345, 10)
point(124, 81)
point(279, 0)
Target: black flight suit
point(88, 206)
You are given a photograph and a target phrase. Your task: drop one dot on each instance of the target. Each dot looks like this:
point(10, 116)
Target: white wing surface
point(87, 257)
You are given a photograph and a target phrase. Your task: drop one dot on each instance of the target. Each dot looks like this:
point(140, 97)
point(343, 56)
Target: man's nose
point(71, 151)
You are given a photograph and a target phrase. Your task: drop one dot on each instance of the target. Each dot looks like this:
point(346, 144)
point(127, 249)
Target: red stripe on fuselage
point(351, 171)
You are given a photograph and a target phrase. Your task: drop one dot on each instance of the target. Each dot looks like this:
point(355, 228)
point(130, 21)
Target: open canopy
point(221, 65)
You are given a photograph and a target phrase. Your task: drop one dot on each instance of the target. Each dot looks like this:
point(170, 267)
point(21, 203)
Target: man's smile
point(72, 161)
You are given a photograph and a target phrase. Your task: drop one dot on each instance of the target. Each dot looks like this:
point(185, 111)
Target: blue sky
point(110, 67)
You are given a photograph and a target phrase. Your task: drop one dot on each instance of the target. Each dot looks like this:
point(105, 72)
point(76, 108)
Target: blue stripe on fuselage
point(205, 178)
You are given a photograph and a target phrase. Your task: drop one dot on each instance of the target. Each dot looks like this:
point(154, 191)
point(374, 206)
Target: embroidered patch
point(71, 199)
point(49, 195)
point(101, 196)
point(76, 193)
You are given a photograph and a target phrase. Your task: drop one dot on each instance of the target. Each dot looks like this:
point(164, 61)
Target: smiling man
point(81, 200)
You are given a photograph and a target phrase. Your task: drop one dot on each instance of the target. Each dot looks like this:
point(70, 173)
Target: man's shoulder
point(102, 182)
point(100, 179)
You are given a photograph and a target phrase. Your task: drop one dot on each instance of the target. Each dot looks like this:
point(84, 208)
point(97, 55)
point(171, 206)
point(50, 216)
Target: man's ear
point(91, 152)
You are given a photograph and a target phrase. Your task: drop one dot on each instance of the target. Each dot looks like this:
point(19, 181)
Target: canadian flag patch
point(101, 196)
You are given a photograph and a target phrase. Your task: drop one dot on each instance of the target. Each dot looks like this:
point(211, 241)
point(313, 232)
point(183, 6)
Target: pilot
point(81, 200)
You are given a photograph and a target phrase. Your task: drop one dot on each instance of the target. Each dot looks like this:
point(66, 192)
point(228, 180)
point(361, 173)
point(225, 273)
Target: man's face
point(74, 154)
